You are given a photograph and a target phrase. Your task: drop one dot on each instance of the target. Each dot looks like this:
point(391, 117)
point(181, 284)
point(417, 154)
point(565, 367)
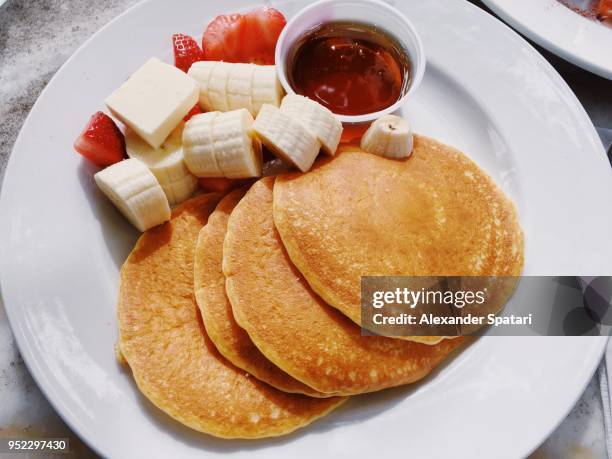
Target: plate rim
point(24, 341)
point(21, 339)
point(545, 37)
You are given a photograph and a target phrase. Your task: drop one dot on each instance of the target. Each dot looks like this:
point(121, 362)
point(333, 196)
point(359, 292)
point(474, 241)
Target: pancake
point(293, 327)
point(173, 361)
point(231, 340)
point(434, 214)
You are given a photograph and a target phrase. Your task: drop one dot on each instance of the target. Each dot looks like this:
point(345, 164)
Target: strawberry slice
point(265, 26)
point(221, 184)
point(249, 38)
point(101, 142)
point(186, 51)
point(222, 40)
point(196, 110)
point(604, 10)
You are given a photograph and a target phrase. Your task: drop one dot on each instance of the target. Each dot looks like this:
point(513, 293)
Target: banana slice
point(317, 119)
point(286, 137)
point(200, 71)
point(389, 136)
point(226, 86)
point(133, 188)
point(237, 152)
point(166, 162)
point(222, 145)
point(199, 145)
point(217, 86)
point(240, 87)
point(266, 88)
point(180, 190)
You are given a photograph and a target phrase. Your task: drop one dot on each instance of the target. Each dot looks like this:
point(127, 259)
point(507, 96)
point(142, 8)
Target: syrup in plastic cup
point(373, 13)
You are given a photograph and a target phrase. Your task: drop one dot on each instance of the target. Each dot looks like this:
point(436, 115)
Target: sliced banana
point(237, 151)
point(222, 145)
point(166, 162)
point(217, 86)
point(286, 137)
point(227, 86)
point(200, 71)
point(199, 145)
point(266, 88)
point(240, 87)
point(389, 136)
point(133, 188)
point(180, 190)
point(316, 118)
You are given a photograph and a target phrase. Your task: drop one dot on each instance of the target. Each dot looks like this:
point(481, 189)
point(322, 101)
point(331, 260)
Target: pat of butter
point(154, 100)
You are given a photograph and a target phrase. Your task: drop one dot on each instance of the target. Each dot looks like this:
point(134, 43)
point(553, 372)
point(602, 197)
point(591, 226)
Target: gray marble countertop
point(36, 37)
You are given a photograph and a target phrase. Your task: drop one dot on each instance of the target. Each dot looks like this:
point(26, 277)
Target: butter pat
point(154, 100)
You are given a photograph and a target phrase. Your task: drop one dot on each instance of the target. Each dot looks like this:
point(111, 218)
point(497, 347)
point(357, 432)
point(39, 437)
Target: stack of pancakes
point(239, 317)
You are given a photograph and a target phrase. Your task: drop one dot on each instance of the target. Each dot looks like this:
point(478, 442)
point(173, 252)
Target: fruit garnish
point(220, 184)
point(186, 51)
point(222, 39)
point(317, 120)
point(248, 38)
point(135, 191)
point(166, 162)
point(266, 24)
point(230, 86)
point(286, 137)
point(389, 136)
point(196, 110)
point(604, 10)
point(222, 145)
point(101, 142)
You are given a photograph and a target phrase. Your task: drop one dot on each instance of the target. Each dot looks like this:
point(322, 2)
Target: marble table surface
point(36, 37)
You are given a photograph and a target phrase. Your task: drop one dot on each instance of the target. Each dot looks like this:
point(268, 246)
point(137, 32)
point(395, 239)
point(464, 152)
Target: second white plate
point(581, 41)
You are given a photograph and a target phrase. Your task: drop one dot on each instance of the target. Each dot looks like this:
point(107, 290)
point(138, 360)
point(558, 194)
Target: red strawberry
point(604, 10)
point(244, 38)
point(220, 184)
point(186, 51)
point(266, 24)
point(101, 141)
point(222, 40)
point(196, 110)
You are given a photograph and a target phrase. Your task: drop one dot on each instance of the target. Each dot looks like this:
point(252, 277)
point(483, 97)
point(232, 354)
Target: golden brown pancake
point(231, 340)
point(173, 361)
point(436, 213)
point(293, 327)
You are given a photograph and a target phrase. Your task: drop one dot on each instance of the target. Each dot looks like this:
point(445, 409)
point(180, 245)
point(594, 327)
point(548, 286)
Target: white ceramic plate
point(581, 41)
point(485, 91)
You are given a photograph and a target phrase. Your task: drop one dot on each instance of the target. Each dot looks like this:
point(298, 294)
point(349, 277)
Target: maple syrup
point(350, 68)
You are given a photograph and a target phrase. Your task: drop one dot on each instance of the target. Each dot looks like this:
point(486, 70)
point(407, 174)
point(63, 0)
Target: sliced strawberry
point(101, 141)
point(604, 10)
point(186, 51)
point(220, 184)
point(263, 26)
point(222, 38)
point(196, 110)
point(244, 38)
